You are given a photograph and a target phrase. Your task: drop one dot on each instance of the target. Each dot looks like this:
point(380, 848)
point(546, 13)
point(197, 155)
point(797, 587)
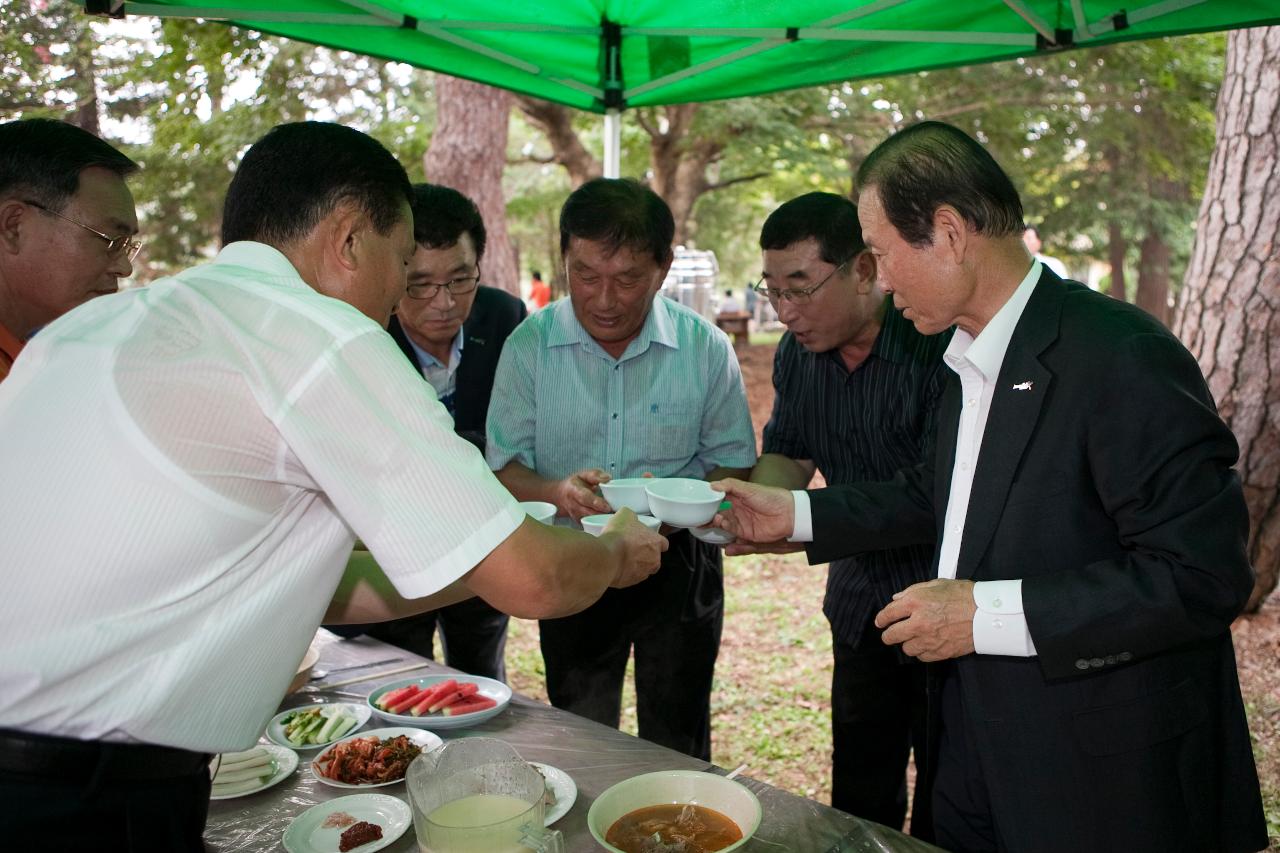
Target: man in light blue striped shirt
point(618, 382)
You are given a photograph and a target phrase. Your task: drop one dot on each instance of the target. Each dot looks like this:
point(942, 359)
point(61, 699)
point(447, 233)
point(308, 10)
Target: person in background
point(452, 329)
point(849, 358)
point(186, 469)
point(539, 292)
point(617, 381)
point(67, 225)
point(1091, 537)
point(1031, 239)
point(730, 303)
point(751, 302)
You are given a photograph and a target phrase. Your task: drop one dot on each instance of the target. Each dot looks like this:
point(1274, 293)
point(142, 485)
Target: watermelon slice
point(406, 702)
point(394, 696)
point(469, 706)
point(430, 695)
point(466, 689)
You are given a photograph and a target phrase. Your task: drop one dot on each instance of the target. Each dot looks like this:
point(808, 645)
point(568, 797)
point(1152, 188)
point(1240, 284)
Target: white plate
point(713, 535)
point(562, 785)
point(307, 833)
point(424, 739)
point(495, 690)
point(275, 728)
point(286, 762)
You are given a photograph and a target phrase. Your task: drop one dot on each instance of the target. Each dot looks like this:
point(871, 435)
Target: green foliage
point(1121, 134)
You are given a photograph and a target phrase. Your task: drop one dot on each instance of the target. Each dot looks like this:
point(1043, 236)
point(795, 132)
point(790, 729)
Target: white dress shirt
point(999, 625)
point(186, 467)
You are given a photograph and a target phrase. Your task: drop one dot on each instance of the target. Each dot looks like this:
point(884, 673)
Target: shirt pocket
point(671, 432)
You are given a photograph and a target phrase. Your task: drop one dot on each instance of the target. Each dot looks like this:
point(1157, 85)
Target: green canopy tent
point(606, 55)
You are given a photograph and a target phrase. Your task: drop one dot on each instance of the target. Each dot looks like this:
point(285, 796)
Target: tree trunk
point(1152, 295)
point(469, 153)
point(1229, 309)
point(556, 123)
point(679, 163)
point(1117, 248)
point(84, 80)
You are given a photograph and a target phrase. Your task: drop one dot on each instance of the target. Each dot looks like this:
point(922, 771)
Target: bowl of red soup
point(660, 811)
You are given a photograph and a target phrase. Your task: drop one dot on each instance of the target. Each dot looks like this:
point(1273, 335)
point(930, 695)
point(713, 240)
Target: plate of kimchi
point(373, 758)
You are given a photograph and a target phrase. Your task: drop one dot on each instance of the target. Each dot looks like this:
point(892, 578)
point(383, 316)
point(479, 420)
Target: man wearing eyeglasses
point(452, 330)
point(856, 389)
point(67, 225)
point(617, 381)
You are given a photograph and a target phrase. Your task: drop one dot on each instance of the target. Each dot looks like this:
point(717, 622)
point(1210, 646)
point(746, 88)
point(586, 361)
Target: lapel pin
point(1023, 386)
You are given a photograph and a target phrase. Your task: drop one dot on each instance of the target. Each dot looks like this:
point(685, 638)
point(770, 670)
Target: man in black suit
point(1091, 537)
point(452, 329)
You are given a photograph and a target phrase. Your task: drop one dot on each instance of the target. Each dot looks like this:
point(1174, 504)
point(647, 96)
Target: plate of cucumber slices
point(315, 726)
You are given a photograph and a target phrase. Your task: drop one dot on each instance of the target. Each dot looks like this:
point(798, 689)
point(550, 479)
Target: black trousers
point(101, 812)
point(473, 636)
point(961, 804)
point(672, 621)
point(878, 714)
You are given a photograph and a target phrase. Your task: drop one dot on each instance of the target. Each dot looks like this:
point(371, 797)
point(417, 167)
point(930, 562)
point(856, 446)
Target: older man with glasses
point(67, 225)
point(856, 391)
point(452, 329)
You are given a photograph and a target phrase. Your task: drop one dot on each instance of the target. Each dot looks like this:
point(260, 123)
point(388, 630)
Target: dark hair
point(618, 212)
point(830, 219)
point(537, 275)
point(1034, 230)
point(41, 160)
point(930, 164)
point(441, 215)
point(298, 173)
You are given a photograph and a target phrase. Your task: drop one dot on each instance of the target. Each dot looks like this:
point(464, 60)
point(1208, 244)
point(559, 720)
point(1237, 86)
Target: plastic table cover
point(595, 756)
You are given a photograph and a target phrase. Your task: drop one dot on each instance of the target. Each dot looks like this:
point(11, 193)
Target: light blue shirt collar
point(426, 359)
point(658, 328)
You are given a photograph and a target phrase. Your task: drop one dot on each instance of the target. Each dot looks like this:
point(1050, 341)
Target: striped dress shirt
point(185, 469)
point(861, 426)
point(673, 404)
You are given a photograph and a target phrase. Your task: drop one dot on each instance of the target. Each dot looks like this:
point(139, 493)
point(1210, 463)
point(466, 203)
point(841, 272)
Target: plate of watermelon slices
point(440, 701)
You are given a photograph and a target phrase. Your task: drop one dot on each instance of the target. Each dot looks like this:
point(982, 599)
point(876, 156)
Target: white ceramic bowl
point(683, 502)
point(594, 524)
point(540, 511)
point(675, 786)
point(629, 492)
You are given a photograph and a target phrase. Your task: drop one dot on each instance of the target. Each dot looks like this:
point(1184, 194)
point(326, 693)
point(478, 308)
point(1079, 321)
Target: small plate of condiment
point(320, 828)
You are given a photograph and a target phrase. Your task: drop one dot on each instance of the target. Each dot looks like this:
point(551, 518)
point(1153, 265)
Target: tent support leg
point(612, 143)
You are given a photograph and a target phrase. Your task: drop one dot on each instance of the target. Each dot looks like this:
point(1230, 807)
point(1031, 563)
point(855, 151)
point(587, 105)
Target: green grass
point(770, 701)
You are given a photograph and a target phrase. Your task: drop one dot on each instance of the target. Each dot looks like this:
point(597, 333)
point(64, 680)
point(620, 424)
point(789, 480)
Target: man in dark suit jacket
point(452, 329)
point(1091, 537)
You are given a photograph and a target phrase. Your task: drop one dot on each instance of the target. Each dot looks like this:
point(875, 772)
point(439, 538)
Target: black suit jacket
point(494, 315)
point(1106, 486)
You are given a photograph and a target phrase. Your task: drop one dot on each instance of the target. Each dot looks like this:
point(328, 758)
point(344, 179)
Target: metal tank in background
point(692, 280)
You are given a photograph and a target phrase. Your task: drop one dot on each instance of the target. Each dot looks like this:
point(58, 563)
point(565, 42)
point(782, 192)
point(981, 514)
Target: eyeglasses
point(795, 295)
point(459, 286)
point(122, 245)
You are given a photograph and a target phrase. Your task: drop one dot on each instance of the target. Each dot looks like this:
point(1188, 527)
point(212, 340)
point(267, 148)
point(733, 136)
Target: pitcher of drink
point(476, 795)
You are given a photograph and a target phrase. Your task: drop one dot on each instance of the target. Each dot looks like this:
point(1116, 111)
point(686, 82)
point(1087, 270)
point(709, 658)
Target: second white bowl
point(629, 492)
point(540, 511)
point(682, 501)
point(594, 524)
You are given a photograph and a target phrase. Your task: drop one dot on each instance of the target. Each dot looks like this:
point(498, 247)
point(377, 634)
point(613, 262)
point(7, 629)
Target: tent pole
point(612, 143)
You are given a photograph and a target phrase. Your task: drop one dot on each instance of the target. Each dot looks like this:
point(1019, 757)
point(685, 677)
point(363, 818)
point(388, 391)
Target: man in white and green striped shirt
point(618, 382)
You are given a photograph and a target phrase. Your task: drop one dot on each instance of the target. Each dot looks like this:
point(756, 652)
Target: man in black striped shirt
point(856, 388)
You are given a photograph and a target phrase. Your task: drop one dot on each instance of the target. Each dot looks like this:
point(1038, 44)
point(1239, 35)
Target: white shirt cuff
point(803, 529)
point(999, 625)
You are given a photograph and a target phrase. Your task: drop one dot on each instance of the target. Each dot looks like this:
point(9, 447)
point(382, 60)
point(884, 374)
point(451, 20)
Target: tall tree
point(1229, 310)
point(469, 152)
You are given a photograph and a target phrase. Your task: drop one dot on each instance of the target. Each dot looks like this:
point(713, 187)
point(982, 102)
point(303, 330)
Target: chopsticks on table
point(370, 676)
